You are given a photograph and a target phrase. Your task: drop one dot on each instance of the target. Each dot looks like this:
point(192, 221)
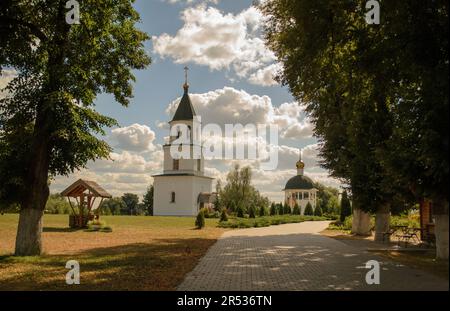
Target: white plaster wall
point(302, 202)
point(186, 188)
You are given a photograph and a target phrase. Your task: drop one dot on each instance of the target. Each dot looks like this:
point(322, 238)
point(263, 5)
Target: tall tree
point(377, 94)
point(114, 205)
point(148, 200)
point(48, 125)
point(131, 202)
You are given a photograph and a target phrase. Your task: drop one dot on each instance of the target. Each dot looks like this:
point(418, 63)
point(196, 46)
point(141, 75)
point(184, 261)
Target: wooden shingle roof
point(81, 185)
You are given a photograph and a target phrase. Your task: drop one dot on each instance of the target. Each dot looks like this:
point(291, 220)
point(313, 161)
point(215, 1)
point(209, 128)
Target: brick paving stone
point(296, 257)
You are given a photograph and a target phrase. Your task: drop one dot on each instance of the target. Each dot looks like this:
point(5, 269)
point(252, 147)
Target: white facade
point(177, 191)
point(186, 190)
point(300, 190)
point(301, 197)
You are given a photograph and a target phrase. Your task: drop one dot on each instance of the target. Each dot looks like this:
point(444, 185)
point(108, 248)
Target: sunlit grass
point(141, 253)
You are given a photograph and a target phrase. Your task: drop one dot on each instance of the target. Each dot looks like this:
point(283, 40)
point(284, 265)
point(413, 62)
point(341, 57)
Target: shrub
point(280, 209)
point(318, 211)
point(308, 210)
point(223, 215)
point(296, 210)
point(240, 211)
point(251, 211)
point(262, 211)
point(200, 220)
point(287, 209)
point(273, 209)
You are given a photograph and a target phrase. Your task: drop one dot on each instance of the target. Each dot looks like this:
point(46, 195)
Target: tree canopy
point(377, 94)
point(48, 124)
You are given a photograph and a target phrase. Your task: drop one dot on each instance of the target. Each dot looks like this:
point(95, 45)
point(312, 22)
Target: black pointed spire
point(185, 110)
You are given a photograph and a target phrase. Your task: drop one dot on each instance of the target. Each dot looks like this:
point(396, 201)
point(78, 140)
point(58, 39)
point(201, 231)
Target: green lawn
point(142, 253)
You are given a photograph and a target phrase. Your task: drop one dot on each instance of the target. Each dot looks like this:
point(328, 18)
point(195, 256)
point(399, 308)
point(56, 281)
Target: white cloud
point(6, 75)
point(230, 106)
point(128, 170)
point(221, 41)
point(135, 137)
point(138, 157)
point(265, 76)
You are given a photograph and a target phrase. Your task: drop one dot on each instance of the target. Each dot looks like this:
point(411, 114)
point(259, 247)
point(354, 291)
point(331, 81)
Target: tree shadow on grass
point(160, 265)
point(59, 229)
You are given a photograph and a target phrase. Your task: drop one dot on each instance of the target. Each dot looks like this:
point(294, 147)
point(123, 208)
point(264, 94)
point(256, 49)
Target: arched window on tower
point(172, 197)
point(189, 134)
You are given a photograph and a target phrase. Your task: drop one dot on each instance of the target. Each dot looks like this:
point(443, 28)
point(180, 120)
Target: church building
point(182, 189)
point(300, 189)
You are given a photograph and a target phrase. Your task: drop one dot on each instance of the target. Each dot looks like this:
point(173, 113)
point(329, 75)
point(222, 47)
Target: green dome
point(299, 182)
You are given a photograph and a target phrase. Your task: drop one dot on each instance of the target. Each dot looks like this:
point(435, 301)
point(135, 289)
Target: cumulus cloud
point(6, 75)
point(220, 41)
point(135, 137)
point(129, 169)
point(230, 106)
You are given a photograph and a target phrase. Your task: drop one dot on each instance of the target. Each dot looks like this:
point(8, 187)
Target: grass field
point(142, 253)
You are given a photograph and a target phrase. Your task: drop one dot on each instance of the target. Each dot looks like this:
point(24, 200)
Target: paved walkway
point(296, 257)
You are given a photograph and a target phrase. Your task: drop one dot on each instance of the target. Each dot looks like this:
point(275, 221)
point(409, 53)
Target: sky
point(231, 81)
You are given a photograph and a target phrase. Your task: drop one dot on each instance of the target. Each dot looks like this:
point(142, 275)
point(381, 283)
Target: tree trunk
point(361, 222)
point(382, 220)
point(440, 209)
point(28, 239)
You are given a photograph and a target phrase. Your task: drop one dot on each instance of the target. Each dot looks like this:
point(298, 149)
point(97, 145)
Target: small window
point(199, 165)
point(305, 195)
point(176, 165)
point(172, 197)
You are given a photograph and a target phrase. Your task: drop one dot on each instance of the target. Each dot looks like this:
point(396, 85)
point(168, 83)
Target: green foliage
point(131, 202)
point(148, 200)
point(262, 211)
point(318, 211)
point(296, 210)
point(61, 68)
point(113, 206)
point(223, 215)
point(379, 107)
point(411, 220)
point(273, 209)
point(286, 209)
point(239, 190)
point(267, 221)
point(251, 211)
point(57, 204)
point(240, 211)
point(280, 209)
point(200, 220)
point(346, 209)
point(308, 210)
point(97, 225)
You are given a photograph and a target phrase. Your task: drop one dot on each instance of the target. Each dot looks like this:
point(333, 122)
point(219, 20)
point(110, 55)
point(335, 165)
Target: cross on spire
point(186, 85)
point(186, 74)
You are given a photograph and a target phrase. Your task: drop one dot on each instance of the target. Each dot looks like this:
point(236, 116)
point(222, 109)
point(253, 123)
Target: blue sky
point(230, 81)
